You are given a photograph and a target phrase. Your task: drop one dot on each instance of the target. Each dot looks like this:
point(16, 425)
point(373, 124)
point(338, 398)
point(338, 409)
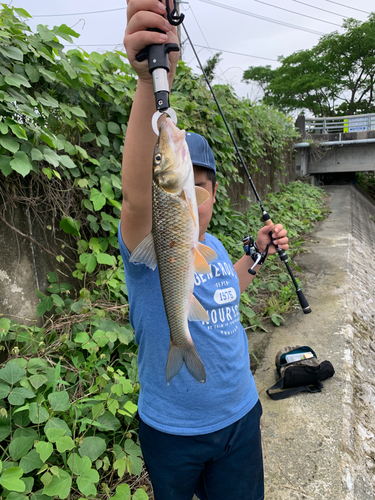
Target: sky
point(248, 32)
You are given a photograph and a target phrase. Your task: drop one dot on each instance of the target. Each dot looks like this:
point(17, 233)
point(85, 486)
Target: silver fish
point(173, 246)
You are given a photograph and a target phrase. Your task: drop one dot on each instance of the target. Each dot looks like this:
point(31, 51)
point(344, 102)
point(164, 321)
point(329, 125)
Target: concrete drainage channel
point(322, 446)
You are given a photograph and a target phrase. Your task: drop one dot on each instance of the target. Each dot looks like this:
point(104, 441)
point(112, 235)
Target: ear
point(214, 193)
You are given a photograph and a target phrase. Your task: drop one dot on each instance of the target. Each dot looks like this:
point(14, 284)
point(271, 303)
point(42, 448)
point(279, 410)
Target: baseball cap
point(200, 152)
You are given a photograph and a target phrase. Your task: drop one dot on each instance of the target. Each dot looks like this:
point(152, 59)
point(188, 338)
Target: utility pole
point(178, 3)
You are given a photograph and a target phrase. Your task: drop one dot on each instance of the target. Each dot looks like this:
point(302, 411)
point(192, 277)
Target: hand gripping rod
point(267, 220)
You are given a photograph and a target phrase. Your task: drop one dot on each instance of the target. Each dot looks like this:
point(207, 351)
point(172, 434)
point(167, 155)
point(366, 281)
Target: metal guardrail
point(354, 123)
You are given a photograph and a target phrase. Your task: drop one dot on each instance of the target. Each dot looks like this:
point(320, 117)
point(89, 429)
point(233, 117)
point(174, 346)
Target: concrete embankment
point(322, 446)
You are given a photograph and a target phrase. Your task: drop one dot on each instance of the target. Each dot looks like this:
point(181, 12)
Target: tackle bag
point(298, 369)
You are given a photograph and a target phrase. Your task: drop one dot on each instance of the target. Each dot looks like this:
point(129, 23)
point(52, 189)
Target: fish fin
point(201, 194)
point(176, 358)
point(190, 205)
point(144, 253)
point(207, 252)
point(200, 263)
point(174, 362)
point(196, 311)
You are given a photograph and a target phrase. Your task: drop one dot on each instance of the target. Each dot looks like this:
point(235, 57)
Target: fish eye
point(157, 159)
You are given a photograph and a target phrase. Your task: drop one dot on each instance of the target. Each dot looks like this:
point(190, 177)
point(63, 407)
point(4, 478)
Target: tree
point(260, 74)
point(211, 64)
point(336, 77)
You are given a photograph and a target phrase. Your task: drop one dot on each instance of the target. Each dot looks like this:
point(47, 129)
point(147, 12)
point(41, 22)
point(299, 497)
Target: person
point(196, 438)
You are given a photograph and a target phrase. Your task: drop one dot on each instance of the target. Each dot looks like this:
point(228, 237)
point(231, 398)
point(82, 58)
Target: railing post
point(301, 125)
point(324, 131)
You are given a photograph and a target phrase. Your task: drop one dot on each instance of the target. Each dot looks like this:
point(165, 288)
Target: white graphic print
point(224, 296)
point(217, 270)
point(225, 320)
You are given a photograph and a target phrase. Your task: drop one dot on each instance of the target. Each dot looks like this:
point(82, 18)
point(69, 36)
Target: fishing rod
point(248, 242)
point(158, 63)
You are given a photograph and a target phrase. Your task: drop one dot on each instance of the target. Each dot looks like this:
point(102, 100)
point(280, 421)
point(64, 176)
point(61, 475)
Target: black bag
point(298, 369)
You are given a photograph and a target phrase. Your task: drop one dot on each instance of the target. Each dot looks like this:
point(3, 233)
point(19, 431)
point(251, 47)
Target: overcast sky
point(249, 32)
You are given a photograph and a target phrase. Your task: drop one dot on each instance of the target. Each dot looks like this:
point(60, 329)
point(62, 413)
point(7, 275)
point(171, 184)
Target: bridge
point(343, 144)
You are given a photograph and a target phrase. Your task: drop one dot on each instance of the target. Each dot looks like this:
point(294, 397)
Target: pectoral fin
point(207, 252)
point(201, 194)
point(189, 203)
point(144, 253)
point(196, 311)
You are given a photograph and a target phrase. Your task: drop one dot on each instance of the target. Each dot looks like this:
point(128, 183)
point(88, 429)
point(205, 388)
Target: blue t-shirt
point(184, 406)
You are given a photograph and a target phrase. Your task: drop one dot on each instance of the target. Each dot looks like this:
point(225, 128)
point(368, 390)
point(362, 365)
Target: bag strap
point(289, 392)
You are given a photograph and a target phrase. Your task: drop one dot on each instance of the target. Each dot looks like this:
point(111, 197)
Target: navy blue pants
point(222, 465)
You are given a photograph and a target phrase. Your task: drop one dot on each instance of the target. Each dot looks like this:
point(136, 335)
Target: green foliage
point(211, 64)
point(260, 74)
point(68, 400)
point(63, 119)
point(366, 180)
point(297, 206)
point(335, 77)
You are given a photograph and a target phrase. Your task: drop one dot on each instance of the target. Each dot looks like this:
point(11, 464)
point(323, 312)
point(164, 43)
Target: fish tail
point(177, 356)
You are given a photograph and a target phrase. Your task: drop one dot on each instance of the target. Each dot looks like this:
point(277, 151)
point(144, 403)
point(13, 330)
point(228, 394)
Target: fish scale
point(173, 230)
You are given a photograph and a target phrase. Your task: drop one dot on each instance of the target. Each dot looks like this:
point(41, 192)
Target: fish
point(173, 246)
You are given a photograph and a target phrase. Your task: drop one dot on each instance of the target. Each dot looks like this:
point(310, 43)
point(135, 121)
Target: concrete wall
point(351, 158)
point(266, 179)
point(316, 158)
point(24, 263)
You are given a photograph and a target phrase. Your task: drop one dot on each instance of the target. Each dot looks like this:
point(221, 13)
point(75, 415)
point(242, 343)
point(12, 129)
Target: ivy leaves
point(42, 440)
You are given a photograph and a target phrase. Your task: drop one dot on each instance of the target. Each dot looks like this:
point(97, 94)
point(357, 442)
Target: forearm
point(140, 140)
point(241, 267)
point(137, 167)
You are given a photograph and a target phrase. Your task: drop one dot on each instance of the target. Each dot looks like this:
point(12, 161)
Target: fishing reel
point(250, 248)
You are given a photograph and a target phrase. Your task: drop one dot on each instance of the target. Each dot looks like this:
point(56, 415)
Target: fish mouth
point(171, 134)
point(171, 165)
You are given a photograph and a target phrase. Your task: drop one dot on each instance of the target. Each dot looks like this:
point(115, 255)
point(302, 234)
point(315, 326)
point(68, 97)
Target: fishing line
point(282, 254)
point(224, 119)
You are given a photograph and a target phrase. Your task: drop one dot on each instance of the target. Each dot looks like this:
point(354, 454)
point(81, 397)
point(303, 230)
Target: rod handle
point(283, 256)
point(302, 300)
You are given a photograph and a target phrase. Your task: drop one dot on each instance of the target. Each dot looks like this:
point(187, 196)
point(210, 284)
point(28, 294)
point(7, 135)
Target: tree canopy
point(335, 77)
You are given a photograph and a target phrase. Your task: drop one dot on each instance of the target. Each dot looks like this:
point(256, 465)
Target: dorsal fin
point(144, 253)
point(201, 194)
point(207, 252)
point(200, 263)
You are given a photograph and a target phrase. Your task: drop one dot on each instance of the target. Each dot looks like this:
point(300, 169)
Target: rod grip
point(302, 300)
point(283, 256)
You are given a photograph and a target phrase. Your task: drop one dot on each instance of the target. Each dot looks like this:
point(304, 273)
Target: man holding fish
point(198, 406)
